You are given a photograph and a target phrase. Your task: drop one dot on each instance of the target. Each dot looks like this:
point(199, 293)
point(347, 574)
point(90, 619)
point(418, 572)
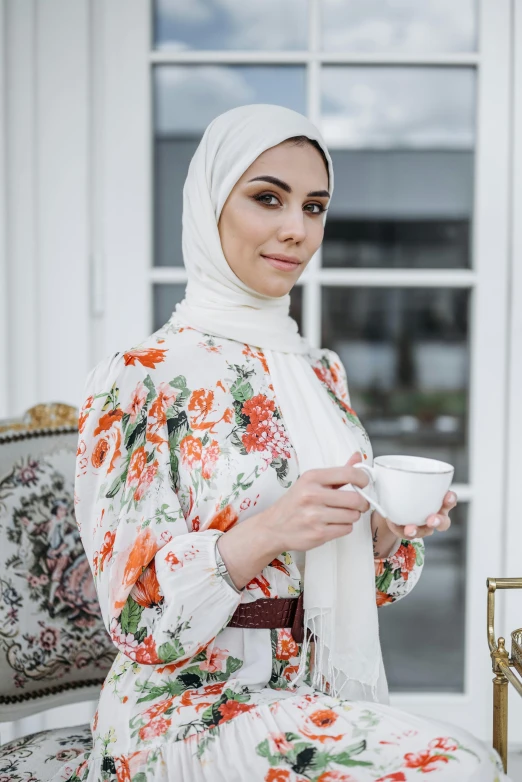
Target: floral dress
point(181, 438)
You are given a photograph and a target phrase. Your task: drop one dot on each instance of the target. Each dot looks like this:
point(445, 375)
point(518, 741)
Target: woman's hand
point(314, 511)
point(310, 513)
point(385, 532)
point(439, 521)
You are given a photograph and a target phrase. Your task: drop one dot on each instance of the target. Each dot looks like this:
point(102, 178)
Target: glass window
point(186, 99)
point(225, 25)
point(165, 298)
point(399, 26)
point(398, 107)
point(423, 636)
point(402, 143)
point(406, 354)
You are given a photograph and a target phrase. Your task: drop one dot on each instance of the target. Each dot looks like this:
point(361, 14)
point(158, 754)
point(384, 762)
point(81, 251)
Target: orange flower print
point(277, 775)
point(398, 776)
point(257, 354)
point(215, 660)
point(165, 399)
point(224, 519)
point(84, 413)
point(136, 465)
point(129, 565)
point(139, 395)
point(107, 420)
point(158, 709)
point(106, 549)
point(231, 709)
point(404, 558)
point(264, 432)
point(117, 451)
point(146, 591)
point(101, 449)
point(286, 646)
point(146, 653)
point(323, 718)
point(289, 672)
point(122, 770)
point(190, 449)
point(336, 776)
point(383, 598)
point(154, 729)
point(200, 404)
point(424, 761)
point(147, 357)
point(145, 480)
point(174, 562)
point(445, 743)
point(209, 458)
point(379, 567)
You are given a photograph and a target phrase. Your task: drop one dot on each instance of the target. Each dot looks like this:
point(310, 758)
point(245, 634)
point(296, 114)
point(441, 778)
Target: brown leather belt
point(272, 612)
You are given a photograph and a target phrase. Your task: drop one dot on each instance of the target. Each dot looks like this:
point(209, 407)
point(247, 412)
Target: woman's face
point(281, 217)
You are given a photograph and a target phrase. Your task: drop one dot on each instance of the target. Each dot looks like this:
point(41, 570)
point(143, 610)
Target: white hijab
point(339, 582)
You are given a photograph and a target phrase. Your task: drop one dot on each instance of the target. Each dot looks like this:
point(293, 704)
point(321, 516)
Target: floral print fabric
point(180, 439)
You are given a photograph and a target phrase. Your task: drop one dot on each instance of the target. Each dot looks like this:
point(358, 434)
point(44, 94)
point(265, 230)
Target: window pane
point(402, 143)
point(405, 26)
point(165, 298)
point(225, 25)
point(398, 107)
point(296, 305)
point(186, 99)
point(423, 636)
point(406, 354)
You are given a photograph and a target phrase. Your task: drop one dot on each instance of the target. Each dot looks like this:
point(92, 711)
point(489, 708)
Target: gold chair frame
point(507, 670)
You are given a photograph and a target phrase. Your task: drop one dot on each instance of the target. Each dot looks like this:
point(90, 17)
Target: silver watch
point(222, 568)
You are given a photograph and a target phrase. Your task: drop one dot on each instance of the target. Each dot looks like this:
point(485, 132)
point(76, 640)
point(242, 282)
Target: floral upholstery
point(54, 648)
point(38, 757)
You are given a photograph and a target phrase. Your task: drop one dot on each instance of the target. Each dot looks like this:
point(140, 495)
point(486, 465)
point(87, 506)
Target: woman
point(209, 464)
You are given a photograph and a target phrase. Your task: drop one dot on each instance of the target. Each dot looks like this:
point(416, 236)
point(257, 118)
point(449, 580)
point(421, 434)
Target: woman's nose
point(293, 226)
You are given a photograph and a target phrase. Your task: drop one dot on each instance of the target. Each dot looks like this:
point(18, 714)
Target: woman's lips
point(285, 266)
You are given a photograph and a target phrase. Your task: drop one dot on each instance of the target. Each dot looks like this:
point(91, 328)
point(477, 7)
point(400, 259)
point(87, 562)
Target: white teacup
point(409, 488)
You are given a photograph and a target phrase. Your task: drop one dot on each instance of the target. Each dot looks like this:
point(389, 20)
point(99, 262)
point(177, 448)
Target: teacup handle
point(372, 476)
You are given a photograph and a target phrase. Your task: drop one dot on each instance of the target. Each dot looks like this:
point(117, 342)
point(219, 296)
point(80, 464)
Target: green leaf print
point(152, 391)
point(345, 758)
point(241, 390)
point(419, 552)
point(130, 616)
point(233, 664)
point(139, 777)
point(383, 581)
point(170, 651)
point(178, 428)
point(241, 419)
point(280, 465)
point(140, 635)
point(263, 749)
point(117, 484)
point(179, 382)
point(304, 760)
point(136, 434)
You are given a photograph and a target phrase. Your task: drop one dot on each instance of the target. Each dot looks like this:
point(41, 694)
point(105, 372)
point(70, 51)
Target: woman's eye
point(266, 195)
point(320, 207)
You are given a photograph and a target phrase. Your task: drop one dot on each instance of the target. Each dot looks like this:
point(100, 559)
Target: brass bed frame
point(507, 670)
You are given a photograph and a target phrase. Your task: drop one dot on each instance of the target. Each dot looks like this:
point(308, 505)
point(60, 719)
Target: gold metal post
point(502, 668)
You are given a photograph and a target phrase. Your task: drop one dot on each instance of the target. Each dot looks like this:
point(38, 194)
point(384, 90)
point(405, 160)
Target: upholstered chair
point(54, 649)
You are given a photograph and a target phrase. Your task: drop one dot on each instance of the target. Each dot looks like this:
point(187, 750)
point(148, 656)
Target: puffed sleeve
point(396, 574)
point(161, 595)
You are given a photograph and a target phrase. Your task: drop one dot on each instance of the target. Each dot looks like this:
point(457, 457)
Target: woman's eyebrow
point(284, 186)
